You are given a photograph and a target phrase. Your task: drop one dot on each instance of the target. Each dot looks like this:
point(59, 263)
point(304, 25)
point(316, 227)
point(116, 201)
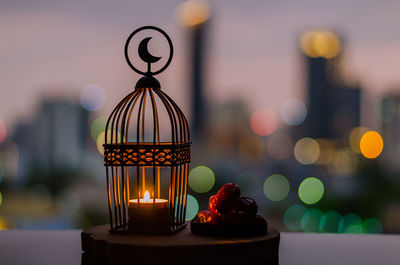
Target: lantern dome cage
point(147, 155)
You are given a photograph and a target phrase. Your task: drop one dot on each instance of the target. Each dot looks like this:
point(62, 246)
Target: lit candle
point(148, 202)
point(148, 214)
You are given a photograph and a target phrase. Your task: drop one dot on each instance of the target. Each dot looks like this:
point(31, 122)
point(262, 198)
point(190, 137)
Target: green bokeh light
point(201, 179)
point(310, 220)
point(311, 190)
point(98, 126)
point(249, 183)
point(276, 187)
point(101, 137)
point(350, 224)
point(372, 226)
point(192, 207)
point(329, 222)
point(292, 217)
point(1, 199)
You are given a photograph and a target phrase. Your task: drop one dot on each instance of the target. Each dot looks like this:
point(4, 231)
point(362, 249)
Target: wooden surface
point(101, 247)
point(63, 247)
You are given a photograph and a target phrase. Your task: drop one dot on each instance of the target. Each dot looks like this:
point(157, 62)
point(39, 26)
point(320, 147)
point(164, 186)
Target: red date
point(206, 217)
point(247, 205)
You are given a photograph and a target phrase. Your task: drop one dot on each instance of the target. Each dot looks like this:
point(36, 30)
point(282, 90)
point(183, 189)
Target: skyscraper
point(333, 106)
point(194, 15)
point(56, 138)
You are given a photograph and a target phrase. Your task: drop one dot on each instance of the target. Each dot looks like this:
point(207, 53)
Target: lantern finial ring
point(144, 53)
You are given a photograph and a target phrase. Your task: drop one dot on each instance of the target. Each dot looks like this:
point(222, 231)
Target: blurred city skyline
point(299, 100)
point(56, 49)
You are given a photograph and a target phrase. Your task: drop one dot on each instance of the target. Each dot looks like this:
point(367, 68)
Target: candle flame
point(146, 197)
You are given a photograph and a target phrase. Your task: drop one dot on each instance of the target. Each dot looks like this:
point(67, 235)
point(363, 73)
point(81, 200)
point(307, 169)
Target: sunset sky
point(56, 48)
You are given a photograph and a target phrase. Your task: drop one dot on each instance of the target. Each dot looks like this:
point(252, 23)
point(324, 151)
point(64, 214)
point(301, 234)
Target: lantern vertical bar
point(155, 121)
point(118, 194)
point(123, 196)
point(143, 109)
point(156, 139)
point(181, 176)
point(154, 186)
point(181, 194)
point(185, 191)
point(114, 198)
point(137, 142)
point(177, 196)
point(138, 184)
point(109, 197)
point(158, 183)
point(127, 192)
point(172, 200)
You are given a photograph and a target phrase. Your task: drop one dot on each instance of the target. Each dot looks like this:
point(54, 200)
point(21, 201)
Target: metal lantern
point(147, 154)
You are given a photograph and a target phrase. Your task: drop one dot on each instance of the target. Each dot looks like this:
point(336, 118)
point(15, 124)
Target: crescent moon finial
point(144, 53)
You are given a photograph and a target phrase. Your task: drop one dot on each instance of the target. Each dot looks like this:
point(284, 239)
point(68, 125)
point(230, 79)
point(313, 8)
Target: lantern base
point(101, 247)
point(146, 230)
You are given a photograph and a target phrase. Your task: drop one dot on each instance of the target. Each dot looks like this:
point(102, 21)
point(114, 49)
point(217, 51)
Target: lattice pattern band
point(147, 154)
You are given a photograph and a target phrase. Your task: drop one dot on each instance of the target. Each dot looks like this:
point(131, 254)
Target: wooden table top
point(63, 247)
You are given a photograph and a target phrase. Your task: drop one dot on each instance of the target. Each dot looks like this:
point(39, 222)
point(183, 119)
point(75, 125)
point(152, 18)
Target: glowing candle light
point(147, 213)
point(147, 200)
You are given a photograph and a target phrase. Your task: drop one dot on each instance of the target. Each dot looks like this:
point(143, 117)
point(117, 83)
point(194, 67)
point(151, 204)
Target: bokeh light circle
point(329, 222)
point(293, 112)
point(344, 162)
point(193, 13)
point(192, 207)
point(350, 224)
point(320, 44)
point(101, 138)
point(249, 183)
point(201, 179)
point(98, 126)
point(306, 151)
point(372, 226)
point(311, 190)
point(371, 144)
point(3, 131)
point(276, 187)
point(263, 122)
point(310, 220)
point(292, 217)
point(1, 199)
point(355, 138)
point(251, 147)
point(93, 97)
point(279, 146)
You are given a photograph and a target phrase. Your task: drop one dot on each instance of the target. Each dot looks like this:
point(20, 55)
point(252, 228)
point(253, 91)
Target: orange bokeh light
point(193, 13)
point(371, 144)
